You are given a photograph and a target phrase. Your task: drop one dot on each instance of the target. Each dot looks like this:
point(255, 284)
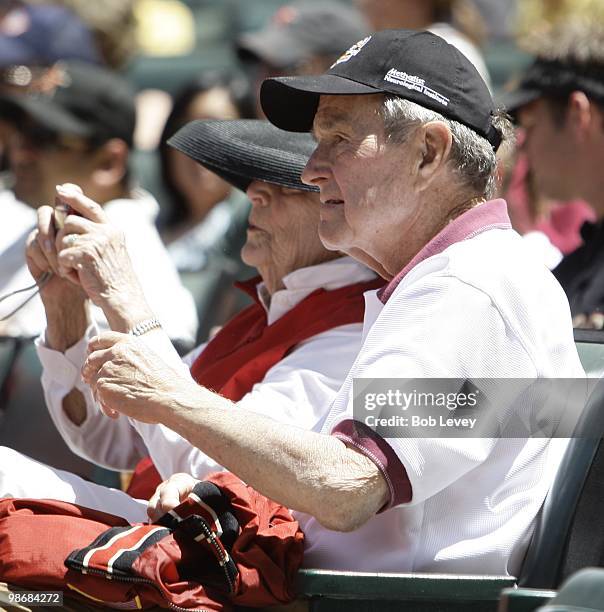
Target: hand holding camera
point(76, 242)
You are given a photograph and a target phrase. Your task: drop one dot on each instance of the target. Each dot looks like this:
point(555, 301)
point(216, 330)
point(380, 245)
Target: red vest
point(242, 352)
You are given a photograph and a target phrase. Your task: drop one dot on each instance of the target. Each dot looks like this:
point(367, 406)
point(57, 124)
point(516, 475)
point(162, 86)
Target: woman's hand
point(126, 377)
point(92, 253)
point(169, 494)
point(41, 256)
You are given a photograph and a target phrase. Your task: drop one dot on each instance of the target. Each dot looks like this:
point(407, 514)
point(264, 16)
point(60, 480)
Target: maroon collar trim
point(490, 215)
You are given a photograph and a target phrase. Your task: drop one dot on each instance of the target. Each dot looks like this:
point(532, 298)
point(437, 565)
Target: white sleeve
point(298, 391)
point(171, 302)
point(421, 343)
point(112, 443)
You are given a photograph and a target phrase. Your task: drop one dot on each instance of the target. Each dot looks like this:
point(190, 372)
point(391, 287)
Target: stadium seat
point(356, 591)
point(590, 346)
point(567, 538)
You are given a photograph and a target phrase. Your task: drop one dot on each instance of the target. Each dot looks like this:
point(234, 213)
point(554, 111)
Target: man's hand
point(128, 378)
point(169, 494)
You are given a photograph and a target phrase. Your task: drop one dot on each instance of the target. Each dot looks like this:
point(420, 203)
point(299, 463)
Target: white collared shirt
point(481, 307)
point(298, 390)
point(170, 301)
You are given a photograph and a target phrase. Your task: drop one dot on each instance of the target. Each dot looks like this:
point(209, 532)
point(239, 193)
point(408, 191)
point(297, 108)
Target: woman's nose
point(259, 193)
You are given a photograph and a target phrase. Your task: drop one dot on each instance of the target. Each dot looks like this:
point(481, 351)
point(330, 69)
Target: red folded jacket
point(225, 544)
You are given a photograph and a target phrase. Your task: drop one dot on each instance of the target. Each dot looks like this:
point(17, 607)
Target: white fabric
point(465, 45)
point(481, 308)
point(171, 302)
point(21, 476)
point(297, 390)
point(542, 249)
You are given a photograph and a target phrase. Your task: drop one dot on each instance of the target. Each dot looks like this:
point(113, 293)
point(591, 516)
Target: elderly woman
point(285, 356)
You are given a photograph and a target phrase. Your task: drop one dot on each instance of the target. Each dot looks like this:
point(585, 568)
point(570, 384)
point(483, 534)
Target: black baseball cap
point(302, 30)
point(85, 100)
point(418, 66)
point(556, 78)
point(243, 150)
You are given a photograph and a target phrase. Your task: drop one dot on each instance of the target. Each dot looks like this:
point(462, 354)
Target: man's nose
point(315, 170)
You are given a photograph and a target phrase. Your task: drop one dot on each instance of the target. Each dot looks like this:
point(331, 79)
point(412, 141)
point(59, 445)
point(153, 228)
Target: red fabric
point(36, 536)
point(241, 354)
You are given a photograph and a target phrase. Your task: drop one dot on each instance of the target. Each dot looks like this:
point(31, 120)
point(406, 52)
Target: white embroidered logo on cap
point(410, 81)
point(354, 50)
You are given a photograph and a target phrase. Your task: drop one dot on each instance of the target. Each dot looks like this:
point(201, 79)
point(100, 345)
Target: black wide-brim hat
point(243, 150)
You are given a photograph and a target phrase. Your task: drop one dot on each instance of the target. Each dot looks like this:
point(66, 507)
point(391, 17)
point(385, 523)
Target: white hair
point(472, 156)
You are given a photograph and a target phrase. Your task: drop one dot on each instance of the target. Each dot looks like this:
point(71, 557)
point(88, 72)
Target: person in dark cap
point(80, 131)
point(33, 38)
point(406, 134)
point(285, 356)
point(559, 103)
point(304, 37)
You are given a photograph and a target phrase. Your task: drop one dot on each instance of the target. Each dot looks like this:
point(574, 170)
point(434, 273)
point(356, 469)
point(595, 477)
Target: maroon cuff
point(376, 448)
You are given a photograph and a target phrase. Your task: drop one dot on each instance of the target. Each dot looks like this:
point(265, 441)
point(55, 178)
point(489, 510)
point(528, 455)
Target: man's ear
point(111, 163)
point(580, 114)
point(435, 142)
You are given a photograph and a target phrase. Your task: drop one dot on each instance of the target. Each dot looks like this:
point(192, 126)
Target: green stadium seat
point(356, 591)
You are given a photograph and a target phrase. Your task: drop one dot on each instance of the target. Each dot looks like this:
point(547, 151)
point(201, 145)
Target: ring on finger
point(71, 239)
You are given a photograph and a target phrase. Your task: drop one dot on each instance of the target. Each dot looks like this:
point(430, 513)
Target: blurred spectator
point(113, 24)
point(457, 21)
point(560, 105)
point(536, 16)
point(34, 38)
point(304, 37)
point(203, 207)
point(499, 17)
point(205, 224)
point(81, 132)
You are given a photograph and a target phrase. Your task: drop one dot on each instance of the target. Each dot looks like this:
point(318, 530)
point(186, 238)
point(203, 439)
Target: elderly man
point(405, 162)
point(560, 105)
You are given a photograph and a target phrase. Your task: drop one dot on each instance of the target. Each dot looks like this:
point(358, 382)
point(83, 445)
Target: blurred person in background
point(303, 37)
point(34, 38)
point(559, 103)
point(81, 131)
point(537, 16)
point(285, 356)
point(112, 23)
point(203, 220)
point(202, 208)
point(457, 21)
